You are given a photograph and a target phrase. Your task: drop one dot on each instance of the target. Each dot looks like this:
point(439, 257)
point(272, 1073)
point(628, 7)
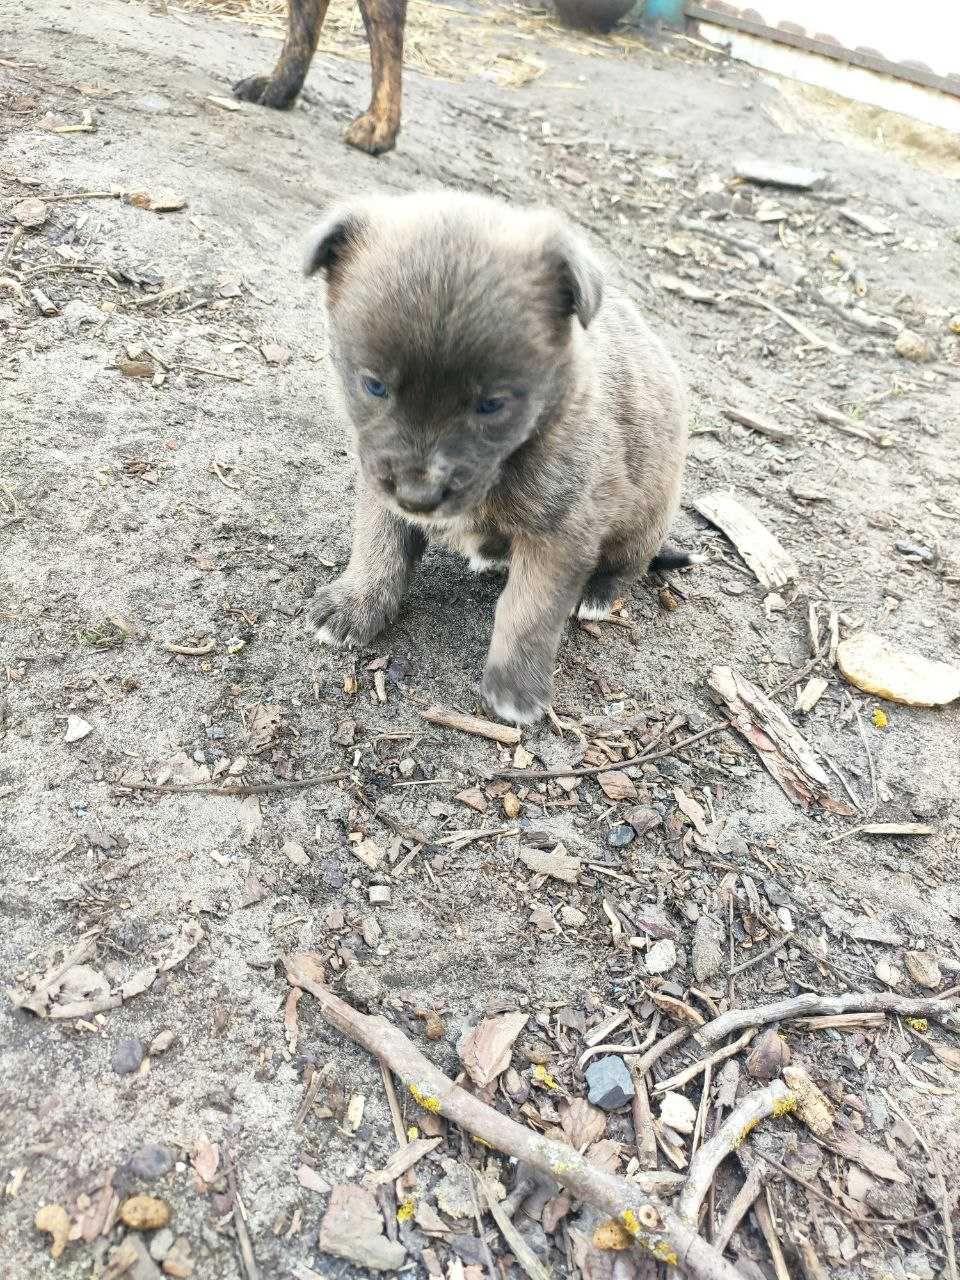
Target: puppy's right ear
point(332, 240)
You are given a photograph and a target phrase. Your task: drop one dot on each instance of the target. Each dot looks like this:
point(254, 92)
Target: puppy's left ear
point(581, 277)
point(331, 241)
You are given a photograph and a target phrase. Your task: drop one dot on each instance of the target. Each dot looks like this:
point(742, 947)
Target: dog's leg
point(546, 581)
point(280, 88)
point(357, 606)
point(376, 130)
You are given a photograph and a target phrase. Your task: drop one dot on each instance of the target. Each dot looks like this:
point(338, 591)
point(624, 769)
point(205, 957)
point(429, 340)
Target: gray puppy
point(506, 402)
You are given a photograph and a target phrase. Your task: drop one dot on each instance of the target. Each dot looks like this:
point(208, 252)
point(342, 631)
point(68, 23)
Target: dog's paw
point(343, 617)
point(372, 134)
point(512, 701)
point(265, 91)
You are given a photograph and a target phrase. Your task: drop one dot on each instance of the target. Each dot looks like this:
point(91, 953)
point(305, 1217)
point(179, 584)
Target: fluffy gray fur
point(505, 401)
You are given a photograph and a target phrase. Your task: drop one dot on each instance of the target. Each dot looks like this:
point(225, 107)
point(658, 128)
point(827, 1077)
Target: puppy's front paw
point(342, 615)
point(514, 699)
point(265, 91)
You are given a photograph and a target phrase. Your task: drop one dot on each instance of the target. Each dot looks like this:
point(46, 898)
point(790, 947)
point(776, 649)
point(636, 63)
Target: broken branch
point(653, 1225)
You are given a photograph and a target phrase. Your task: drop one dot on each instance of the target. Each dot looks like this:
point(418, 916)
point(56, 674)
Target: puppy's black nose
point(420, 497)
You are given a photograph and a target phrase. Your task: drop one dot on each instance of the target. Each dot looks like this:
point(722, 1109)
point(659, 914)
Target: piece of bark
point(401, 1160)
point(505, 734)
point(785, 753)
point(759, 423)
point(352, 1228)
point(556, 863)
point(773, 566)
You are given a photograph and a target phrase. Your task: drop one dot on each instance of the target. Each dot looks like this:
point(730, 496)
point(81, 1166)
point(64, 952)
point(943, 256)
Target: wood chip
point(485, 1050)
point(556, 863)
point(772, 565)
point(757, 422)
point(812, 1105)
point(784, 753)
point(506, 735)
point(401, 1160)
point(352, 1228)
point(810, 694)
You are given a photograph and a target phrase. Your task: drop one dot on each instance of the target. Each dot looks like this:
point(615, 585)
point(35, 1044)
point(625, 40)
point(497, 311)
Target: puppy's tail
point(669, 558)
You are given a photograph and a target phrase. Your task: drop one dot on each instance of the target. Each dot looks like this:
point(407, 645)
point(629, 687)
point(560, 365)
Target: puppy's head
point(453, 332)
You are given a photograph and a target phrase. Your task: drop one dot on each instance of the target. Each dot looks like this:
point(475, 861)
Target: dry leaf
point(812, 1105)
point(473, 799)
point(136, 368)
point(876, 666)
point(949, 1057)
point(311, 1180)
point(54, 1220)
point(369, 853)
point(615, 785)
point(606, 1155)
point(352, 1228)
point(264, 722)
point(582, 1123)
point(768, 1057)
point(692, 809)
point(876, 1160)
point(206, 1160)
point(485, 1051)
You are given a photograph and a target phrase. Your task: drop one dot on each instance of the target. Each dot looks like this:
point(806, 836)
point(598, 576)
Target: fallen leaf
point(876, 1160)
point(311, 1180)
point(923, 969)
point(692, 809)
point(474, 799)
point(606, 1155)
point(77, 729)
point(136, 368)
point(54, 1220)
point(616, 785)
point(582, 1122)
point(264, 723)
point(485, 1050)
point(206, 1160)
point(369, 853)
point(876, 666)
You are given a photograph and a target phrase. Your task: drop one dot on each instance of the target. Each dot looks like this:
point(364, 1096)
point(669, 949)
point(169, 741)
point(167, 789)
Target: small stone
point(76, 729)
point(362, 985)
point(913, 346)
point(661, 957)
point(678, 1113)
point(178, 1262)
point(127, 1057)
point(923, 969)
point(609, 1083)
point(621, 835)
point(407, 767)
point(161, 1244)
point(522, 759)
point(643, 819)
point(162, 1041)
point(296, 853)
point(151, 1161)
point(145, 1213)
point(379, 894)
point(571, 917)
point(30, 212)
point(888, 974)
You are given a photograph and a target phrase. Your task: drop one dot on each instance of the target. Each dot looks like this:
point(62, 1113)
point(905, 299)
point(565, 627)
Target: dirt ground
point(200, 505)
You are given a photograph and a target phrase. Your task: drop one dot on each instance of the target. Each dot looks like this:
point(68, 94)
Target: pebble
point(151, 1161)
point(913, 346)
point(361, 984)
point(621, 835)
point(161, 1244)
point(661, 957)
point(127, 1057)
point(678, 1113)
point(609, 1082)
point(571, 917)
point(379, 894)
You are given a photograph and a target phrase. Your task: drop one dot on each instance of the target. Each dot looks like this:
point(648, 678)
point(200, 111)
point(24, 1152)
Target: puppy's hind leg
point(356, 607)
point(620, 566)
point(280, 88)
point(376, 130)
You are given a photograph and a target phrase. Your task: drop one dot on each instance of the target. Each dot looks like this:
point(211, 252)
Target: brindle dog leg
point(545, 583)
point(376, 130)
point(357, 606)
point(280, 88)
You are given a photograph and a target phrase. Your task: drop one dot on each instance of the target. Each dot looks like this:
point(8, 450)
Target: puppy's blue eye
point(492, 405)
point(374, 387)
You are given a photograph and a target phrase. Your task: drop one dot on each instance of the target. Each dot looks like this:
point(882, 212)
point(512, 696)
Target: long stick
point(653, 1224)
point(942, 1011)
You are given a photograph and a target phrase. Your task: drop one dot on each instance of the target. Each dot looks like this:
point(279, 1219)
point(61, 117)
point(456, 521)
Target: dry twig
point(653, 1224)
point(809, 1005)
point(241, 788)
point(775, 1100)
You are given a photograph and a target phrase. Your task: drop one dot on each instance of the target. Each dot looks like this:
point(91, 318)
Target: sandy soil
point(196, 506)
